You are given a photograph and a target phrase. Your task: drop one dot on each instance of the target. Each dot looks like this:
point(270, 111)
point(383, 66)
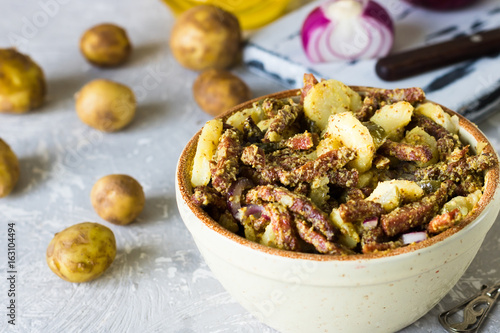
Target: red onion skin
point(442, 4)
point(414, 237)
point(314, 21)
point(370, 223)
point(378, 12)
point(235, 191)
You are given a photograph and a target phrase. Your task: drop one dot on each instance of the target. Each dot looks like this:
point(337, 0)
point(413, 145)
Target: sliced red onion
point(347, 30)
point(370, 223)
point(414, 237)
point(234, 194)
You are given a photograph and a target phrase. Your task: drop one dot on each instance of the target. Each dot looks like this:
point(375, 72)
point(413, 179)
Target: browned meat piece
point(297, 203)
point(302, 141)
point(458, 170)
point(302, 188)
point(354, 194)
point(344, 177)
point(331, 160)
point(319, 241)
point(406, 152)
point(254, 156)
point(446, 141)
point(281, 224)
point(377, 98)
point(359, 210)
point(204, 196)
point(403, 219)
point(309, 82)
point(226, 166)
point(444, 221)
point(283, 118)
point(375, 240)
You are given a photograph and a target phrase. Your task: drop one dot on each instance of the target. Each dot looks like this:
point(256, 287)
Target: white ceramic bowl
point(299, 292)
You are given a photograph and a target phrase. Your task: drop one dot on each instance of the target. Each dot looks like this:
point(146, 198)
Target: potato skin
point(105, 105)
point(105, 45)
point(216, 91)
point(206, 37)
point(118, 199)
point(22, 82)
point(9, 169)
point(81, 252)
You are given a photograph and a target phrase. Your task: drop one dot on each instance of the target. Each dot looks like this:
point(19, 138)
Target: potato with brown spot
point(118, 199)
point(105, 105)
point(22, 82)
point(81, 252)
point(105, 45)
point(9, 169)
point(216, 91)
point(206, 37)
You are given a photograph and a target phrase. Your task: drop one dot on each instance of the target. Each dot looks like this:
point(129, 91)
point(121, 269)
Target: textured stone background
point(158, 282)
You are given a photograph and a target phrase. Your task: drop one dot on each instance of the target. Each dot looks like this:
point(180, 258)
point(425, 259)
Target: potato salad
point(338, 170)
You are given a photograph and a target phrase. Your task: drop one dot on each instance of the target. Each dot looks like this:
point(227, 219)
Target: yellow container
point(251, 13)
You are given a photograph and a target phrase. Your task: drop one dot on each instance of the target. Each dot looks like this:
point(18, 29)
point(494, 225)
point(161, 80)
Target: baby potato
point(118, 199)
point(105, 105)
point(9, 169)
point(105, 45)
point(216, 91)
point(205, 37)
point(22, 82)
point(81, 252)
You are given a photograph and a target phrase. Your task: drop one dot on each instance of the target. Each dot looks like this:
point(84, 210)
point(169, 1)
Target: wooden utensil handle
point(417, 61)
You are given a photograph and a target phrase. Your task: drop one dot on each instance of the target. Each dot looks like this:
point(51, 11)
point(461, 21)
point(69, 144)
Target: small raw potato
point(105, 105)
point(205, 37)
point(81, 252)
point(22, 82)
point(118, 199)
point(9, 169)
point(216, 91)
point(105, 45)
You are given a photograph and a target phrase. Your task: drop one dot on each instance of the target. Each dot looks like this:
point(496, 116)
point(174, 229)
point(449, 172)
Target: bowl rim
point(184, 186)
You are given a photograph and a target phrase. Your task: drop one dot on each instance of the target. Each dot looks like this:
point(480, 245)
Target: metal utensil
point(474, 311)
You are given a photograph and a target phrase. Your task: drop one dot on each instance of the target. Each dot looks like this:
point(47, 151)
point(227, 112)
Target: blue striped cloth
point(471, 88)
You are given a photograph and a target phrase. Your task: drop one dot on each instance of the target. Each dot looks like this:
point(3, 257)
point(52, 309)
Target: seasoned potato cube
point(327, 98)
point(238, 118)
point(464, 204)
point(326, 145)
point(393, 118)
point(351, 237)
point(391, 194)
point(207, 144)
point(349, 132)
point(418, 136)
point(437, 114)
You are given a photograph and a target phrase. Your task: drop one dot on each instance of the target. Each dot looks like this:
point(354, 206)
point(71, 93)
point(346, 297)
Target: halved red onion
point(234, 194)
point(347, 30)
point(370, 223)
point(414, 237)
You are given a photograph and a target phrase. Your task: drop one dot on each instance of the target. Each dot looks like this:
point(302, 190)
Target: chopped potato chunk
point(327, 98)
point(393, 118)
point(207, 144)
point(347, 131)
